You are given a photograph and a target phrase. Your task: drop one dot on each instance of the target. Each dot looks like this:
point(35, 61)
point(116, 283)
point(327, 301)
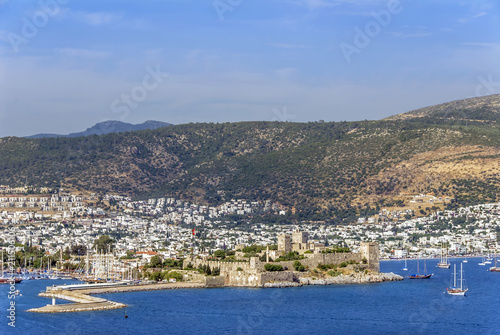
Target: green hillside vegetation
point(325, 170)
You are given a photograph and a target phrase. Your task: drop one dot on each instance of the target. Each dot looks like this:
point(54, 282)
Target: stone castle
point(251, 272)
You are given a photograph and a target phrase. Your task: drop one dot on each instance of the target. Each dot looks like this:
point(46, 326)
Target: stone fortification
point(312, 260)
point(252, 272)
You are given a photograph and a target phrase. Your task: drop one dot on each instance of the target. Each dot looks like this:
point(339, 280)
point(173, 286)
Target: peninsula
point(294, 262)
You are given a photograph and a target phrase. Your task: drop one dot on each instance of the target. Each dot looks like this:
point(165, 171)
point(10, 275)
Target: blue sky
point(68, 64)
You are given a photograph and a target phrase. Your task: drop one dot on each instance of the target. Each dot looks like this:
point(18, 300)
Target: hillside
point(486, 108)
point(324, 170)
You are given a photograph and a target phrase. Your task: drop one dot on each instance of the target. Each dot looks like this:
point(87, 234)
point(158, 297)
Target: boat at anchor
point(457, 290)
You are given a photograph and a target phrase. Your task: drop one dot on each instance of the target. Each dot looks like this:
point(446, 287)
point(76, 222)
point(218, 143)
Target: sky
point(66, 65)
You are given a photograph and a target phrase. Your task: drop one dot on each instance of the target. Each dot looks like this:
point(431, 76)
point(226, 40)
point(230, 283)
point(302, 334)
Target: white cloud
point(99, 18)
point(96, 18)
point(482, 44)
point(83, 53)
point(480, 14)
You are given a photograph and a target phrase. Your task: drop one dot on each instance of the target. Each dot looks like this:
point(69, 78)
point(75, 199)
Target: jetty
point(82, 300)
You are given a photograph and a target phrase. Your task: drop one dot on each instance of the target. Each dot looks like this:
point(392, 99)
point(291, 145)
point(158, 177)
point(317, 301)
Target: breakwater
point(84, 301)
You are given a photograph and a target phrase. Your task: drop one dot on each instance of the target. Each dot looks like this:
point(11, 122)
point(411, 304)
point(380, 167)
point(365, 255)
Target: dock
point(82, 299)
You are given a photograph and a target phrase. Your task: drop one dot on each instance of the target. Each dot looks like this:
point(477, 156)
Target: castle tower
point(300, 237)
point(370, 251)
point(284, 244)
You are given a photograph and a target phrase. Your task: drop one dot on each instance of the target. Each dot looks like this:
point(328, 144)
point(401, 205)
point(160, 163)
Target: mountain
point(324, 170)
point(486, 108)
point(107, 127)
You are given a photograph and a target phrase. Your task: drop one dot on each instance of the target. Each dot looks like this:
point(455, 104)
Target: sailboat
point(495, 268)
point(406, 266)
point(457, 290)
point(419, 275)
point(443, 264)
point(482, 262)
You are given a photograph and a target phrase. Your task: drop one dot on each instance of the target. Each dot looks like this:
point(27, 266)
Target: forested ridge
point(322, 169)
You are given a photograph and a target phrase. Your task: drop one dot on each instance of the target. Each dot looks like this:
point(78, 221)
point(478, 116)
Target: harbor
point(229, 309)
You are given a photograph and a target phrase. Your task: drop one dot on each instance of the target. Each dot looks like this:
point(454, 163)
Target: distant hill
point(107, 127)
point(486, 108)
point(324, 171)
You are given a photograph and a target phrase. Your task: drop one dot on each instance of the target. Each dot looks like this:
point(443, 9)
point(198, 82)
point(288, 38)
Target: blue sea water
point(406, 307)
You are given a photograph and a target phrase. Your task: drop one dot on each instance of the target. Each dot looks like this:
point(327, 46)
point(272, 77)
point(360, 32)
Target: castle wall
point(312, 260)
point(217, 281)
point(225, 267)
point(279, 276)
point(241, 278)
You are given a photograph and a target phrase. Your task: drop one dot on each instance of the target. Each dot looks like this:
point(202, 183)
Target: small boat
point(482, 263)
point(457, 290)
point(495, 268)
point(16, 280)
point(465, 261)
point(406, 266)
point(419, 275)
point(443, 263)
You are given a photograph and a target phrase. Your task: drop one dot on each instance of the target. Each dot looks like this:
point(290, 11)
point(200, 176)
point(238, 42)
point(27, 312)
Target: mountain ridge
point(324, 170)
point(107, 127)
point(469, 108)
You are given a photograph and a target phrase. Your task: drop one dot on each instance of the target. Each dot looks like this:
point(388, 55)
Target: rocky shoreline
point(355, 278)
point(282, 284)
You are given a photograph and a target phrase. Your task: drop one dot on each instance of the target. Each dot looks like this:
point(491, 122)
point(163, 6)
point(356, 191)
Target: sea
point(404, 307)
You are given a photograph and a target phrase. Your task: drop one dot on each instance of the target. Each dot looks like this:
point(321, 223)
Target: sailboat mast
point(461, 276)
point(454, 275)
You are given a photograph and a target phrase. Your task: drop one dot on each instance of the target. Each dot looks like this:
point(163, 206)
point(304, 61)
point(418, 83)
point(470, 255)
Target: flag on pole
point(194, 230)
